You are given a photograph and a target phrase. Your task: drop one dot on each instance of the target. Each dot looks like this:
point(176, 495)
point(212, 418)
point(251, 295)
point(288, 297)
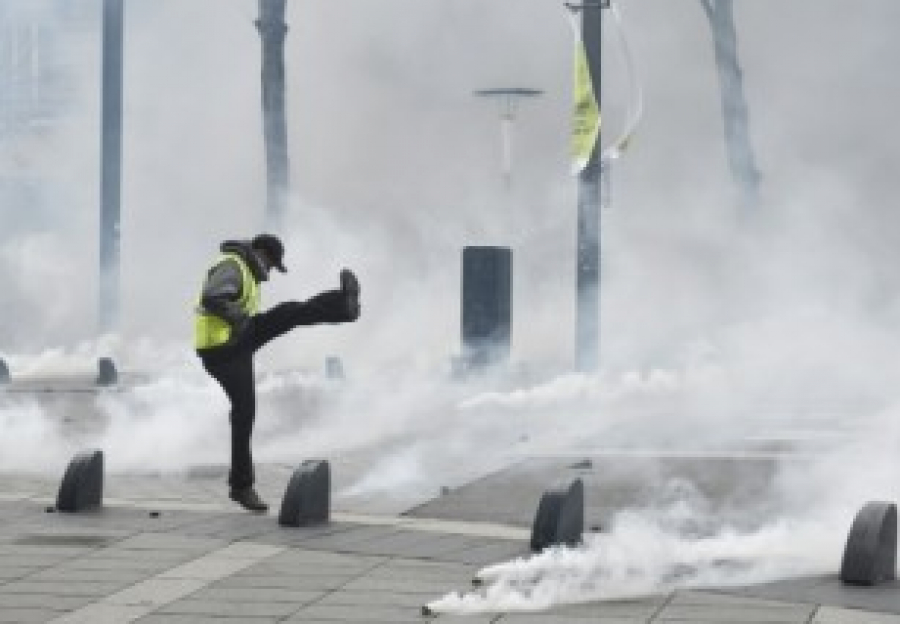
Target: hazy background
point(395, 167)
point(716, 326)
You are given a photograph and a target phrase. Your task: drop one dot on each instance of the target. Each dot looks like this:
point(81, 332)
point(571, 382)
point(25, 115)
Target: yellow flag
point(586, 112)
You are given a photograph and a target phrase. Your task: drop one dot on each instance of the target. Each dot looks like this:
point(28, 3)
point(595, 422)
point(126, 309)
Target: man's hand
point(350, 289)
point(236, 318)
point(239, 326)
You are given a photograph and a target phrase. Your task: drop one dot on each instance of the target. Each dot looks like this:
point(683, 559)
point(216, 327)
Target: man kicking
point(229, 328)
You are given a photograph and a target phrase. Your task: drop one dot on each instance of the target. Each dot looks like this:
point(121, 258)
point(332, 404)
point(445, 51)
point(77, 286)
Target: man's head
point(270, 249)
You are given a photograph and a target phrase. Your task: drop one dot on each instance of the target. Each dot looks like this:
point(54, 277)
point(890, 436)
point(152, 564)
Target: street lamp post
point(509, 98)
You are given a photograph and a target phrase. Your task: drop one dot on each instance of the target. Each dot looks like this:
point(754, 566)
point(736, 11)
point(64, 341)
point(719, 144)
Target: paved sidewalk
point(170, 547)
point(192, 558)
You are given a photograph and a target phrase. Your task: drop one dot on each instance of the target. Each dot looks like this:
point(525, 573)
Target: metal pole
point(273, 30)
point(587, 306)
point(111, 164)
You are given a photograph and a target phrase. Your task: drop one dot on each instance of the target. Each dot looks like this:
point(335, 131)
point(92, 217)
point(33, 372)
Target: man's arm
point(222, 293)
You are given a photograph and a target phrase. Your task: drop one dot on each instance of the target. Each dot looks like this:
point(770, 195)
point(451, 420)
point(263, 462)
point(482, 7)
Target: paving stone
point(248, 550)
point(400, 584)
point(707, 598)
point(834, 615)
point(305, 620)
point(426, 545)
point(305, 582)
point(419, 566)
point(345, 541)
point(450, 573)
point(26, 616)
point(51, 602)
point(325, 558)
point(65, 573)
point(155, 592)
point(115, 526)
point(372, 598)
point(828, 590)
point(30, 561)
point(170, 618)
point(232, 609)
point(63, 588)
point(438, 547)
point(488, 553)
point(799, 614)
point(280, 565)
point(356, 613)
point(133, 564)
point(170, 541)
point(289, 563)
point(145, 554)
point(284, 568)
point(305, 537)
point(258, 594)
point(217, 564)
point(384, 541)
point(550, 618)
point(228, 527)
point(102, 613)
point(127, 520)
point(641, 608)
point(209, 567)
point(60, 552)
point(8, 573)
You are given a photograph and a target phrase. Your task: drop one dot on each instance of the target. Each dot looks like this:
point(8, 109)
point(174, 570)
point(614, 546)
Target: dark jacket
point(224, 283)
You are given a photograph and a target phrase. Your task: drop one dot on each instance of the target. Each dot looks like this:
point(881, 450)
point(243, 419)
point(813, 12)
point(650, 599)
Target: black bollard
point(4, 373)
point(82, 484)
point(106, 372)
point(870, 556)
point(560, 517)
point(307, 499)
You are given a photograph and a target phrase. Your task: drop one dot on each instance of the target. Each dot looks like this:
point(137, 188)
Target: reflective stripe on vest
point(212, 331)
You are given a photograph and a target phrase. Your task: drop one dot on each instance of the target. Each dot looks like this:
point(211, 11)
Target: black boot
point(350, 288)
point(248, 499)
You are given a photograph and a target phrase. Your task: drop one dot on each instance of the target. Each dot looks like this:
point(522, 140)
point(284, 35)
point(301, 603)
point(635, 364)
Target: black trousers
point(232, 366)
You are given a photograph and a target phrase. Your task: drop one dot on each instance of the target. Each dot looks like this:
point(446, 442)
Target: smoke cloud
point(719, 330)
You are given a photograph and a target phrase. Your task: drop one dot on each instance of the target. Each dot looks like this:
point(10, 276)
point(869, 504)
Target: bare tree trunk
point(272, 30)
point(734, 101)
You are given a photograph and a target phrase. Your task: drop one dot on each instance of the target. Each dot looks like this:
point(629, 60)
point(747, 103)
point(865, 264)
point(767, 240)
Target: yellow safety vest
point(212, 331)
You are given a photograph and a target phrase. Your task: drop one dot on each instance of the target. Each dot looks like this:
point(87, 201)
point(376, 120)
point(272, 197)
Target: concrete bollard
point(307, 499)
point(870, 556)
point(82, 484)
point(106, 372)
point(560, 517)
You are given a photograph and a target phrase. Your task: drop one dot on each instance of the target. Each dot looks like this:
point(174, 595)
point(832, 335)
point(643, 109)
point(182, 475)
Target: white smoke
point(640, 556)
point(718, 330)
